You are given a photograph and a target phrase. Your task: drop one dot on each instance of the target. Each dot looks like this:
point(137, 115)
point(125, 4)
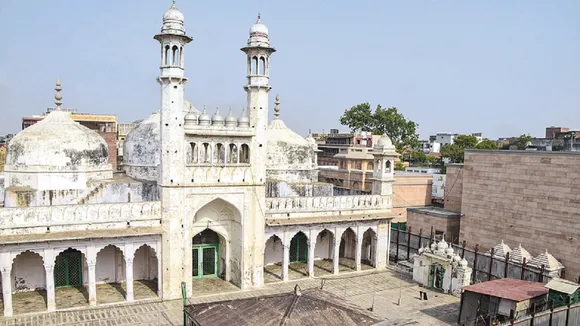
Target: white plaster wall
point(349, 239)
point(324, 246)
point(274, 252)
point(28, 272)
point(110, 266)
point(145, 264)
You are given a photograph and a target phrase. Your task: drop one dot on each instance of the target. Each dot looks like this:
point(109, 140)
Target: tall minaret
point(172, 81)
point(258, 51)
point(172, 166)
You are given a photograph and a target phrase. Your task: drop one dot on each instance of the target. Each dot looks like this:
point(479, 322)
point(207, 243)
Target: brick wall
point(111, 139)
point(453, 187)
point(532, 198)
point(419, 219)
point(410, 190)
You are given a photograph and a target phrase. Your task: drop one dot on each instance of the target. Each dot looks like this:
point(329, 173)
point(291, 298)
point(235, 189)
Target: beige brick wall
point(532, 198)
point(449, 226)
point(453, 187)
point(410, 190)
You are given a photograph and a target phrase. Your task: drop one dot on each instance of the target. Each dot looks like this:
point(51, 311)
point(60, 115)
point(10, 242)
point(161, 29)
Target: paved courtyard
point(379, 291)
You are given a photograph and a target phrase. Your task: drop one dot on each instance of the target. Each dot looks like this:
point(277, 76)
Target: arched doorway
point(436, 274)
point(347, 249)
point(110, 275)
point(206, 252)
point(29, 283)
point(323, 253)
point(368, 248)
point(273, 256)
point(299, 248)
point(70, 272)
point(145, 272)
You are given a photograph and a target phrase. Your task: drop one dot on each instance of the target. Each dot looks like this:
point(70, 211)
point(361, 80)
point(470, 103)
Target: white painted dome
point(259, 29)
point(173, 14)
point(173, 22)
point(141, 149)
point(57, 144)
point(442, 245)
point(384, 143)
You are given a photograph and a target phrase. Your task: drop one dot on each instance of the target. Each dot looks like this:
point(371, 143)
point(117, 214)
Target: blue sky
point(499, 67)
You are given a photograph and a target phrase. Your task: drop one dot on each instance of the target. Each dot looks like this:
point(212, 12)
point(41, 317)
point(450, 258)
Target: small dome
point(243, 120)
point(191, 118)
point(231, 121)
point(463, 263)
point(442, 245)
point(217, 119)
point(173, 14)
point(204, 119)
point(384, 142)
point(449, 251)
point(259, 29)
point(456, 258)
point(433, 247)
point(141, 149)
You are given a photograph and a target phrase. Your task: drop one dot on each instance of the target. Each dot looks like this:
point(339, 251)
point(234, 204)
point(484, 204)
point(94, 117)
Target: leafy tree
point(487, 144)
point(399, 166)
point(388, 121)
point(522, 141)
point(417, 157)
point(2, 158)
point(453, 151)
point(466, 141)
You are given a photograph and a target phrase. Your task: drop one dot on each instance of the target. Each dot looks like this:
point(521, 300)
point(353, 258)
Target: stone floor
point(35, 301)
point(323, 267)
point(389, 294)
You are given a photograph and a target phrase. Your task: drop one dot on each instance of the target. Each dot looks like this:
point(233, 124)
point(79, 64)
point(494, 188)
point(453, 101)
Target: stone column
point(7, 290)
point(381, 250)
point(129, 277)
point(92, 283)
point(50, 295)
point(336, 256)
point(357, 254)
point(160, 270)
point(285, 262)
point(311, 247)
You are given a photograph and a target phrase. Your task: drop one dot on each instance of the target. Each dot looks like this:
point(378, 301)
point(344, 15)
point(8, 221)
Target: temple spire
point(277, 107)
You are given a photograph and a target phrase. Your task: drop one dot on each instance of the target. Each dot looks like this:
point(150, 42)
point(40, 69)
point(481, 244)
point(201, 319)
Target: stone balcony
point(66, 218)
point(325, 206)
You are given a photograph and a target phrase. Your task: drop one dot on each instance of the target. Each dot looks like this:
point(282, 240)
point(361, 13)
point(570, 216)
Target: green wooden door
point(299, 248)
point(205, 260)
point(68, 270)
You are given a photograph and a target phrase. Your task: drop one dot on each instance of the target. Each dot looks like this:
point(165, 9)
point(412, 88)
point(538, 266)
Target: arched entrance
point(145, 272)
point(273, 256)
point(436, 274)
point(110, 275)
point(207, 249)
point(70, 274)
point(368, 248)
point(28, 283)
point(347, 249)
point(299, 248)
point(323, 253)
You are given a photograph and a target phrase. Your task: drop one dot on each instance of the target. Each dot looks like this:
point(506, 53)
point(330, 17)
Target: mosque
point(201, 196)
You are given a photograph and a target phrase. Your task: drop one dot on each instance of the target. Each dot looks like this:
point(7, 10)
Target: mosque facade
point(201, 195)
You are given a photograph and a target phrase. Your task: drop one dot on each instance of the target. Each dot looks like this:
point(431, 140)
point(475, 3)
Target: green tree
point(487, 144)
point(453, 152)
point(399, 166)
point(522, 141)
point(387, 121)
point(416, 157)
point(466, 141)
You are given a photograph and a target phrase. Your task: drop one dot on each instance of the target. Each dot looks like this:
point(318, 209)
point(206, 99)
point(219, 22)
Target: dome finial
point(173, 6)
point(277, 107)
point(259, 19)
point(57, 95)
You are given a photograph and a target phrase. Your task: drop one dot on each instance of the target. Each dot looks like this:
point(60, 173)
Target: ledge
point(79, 235)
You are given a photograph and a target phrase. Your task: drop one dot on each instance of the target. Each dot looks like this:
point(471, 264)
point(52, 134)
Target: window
point(175, 59)
point(220, 153)
point(254, 70)
point(167, 56)
point(193, 158)
point(233, 153)
point(245, 154)
point(206, 153)
point(262, 66)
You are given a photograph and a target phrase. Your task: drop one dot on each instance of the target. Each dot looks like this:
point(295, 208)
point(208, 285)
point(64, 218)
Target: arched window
point(206, 151)
point(175, 59)
point(167, 55)
point(254, 65)
point(358, 165)
point(181, 56)
point(388, 166)
point(262, 66)
point(233, 153)
point(245, 154)
point(220, 153)
point(370, 166)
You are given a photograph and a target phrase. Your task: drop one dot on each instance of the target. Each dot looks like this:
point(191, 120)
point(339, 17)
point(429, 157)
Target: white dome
point(442, 245)
point(173, 14)
point(141, 150)
point(384, 143)
point(57, 144)
point(463, 263)
point(259, 29)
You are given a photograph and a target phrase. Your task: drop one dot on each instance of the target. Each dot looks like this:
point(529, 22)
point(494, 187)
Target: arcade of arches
point(78, 273)
point(318, 252)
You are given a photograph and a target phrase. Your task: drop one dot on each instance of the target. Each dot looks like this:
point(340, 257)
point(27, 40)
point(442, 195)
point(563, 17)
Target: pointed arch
point(218, 209)
point(368, 247)
point(347, 248)
point(324, 248)
point(262, 67)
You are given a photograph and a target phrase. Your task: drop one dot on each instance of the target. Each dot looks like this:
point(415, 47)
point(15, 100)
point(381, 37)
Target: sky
point(502, 68)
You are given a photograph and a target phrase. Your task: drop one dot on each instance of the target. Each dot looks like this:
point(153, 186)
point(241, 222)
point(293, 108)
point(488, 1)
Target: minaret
point(258, 53)
point(173, 40)
point(384, 153)
point(172, 164)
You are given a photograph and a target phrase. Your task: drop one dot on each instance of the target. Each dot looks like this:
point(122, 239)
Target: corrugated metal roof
point(564, 286)
point(510, 289)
